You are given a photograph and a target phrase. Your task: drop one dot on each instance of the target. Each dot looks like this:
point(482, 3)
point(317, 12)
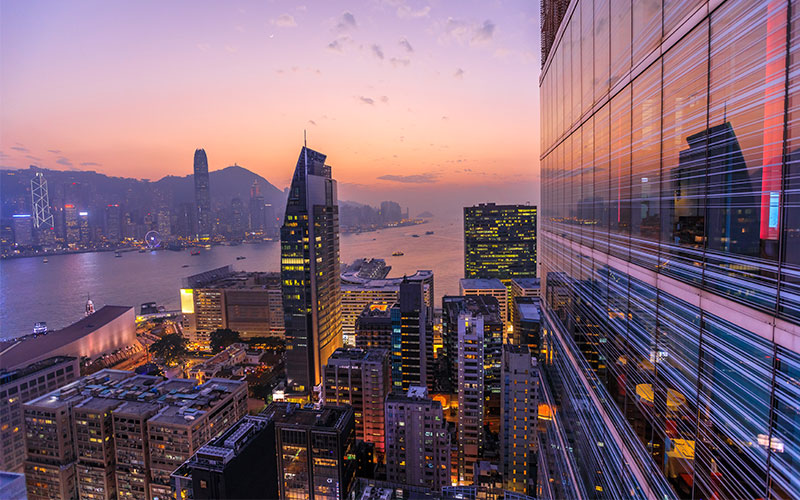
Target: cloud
point(64, 161)
point(91, 164)
point(204, 46)
point(376, 51)
point(384, 99)
point(406, 45)
point(34, 158)
point(445, 118)
point(455, 29)
point(400, 61)
point(410, 179)
point(367, 100)
point(484, 33)
point(54, 151)
point(459, 73)
point(338, 44)
point(406, 12)
point(284, 21)
point(20, 148)
point(347, 22)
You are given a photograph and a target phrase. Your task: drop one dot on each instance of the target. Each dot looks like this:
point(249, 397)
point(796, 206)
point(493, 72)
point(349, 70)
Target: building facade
point(374, 327)
point(518, 419)
point(417, 440)
point(470, 394)
point(202, 196)
point(500, 241)
point(412, 339)
point(670, 188)
point(487, 286)
point(310, 273)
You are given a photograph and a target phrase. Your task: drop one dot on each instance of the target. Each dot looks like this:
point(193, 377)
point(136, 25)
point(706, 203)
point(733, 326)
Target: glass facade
point(670, 248)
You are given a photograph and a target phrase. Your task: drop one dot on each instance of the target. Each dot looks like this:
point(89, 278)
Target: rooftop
point(7, 376)
point(293, 415)
point(482, 284)
point(528, 283)
point(354, 354)
point(528, 309)
point(485, 305)
point(366, 269)
point(354, 282)
point(226, 278)
point(376, 310)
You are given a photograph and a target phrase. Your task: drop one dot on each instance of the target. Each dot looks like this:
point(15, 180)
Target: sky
point(430, 103)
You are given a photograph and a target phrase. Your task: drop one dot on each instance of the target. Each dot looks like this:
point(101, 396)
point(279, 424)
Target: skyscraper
point(669, 260)
point(310, 273)
point(500, 241)
point(470, 394)
point(202, 195)
point(518, 419)
point(412, 339)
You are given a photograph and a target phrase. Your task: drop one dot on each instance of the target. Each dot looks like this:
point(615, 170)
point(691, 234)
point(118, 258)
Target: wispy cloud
point(425, 178)
point(64, 161)
point(231, 49)
point(284, 21)
point(404, 43)
point(400, 61)
point(466, 32)
point(21, 149)
point(366, 100)
point(338, 45)
point(312, 122)
point(407, 12)
point(384, 99)
point(54, 151)
point(484, 33)
point(459, 73)
point(377, 51)
point(91, 164)
point(346, 23)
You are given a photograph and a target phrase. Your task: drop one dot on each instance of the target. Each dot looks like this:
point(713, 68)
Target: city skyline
point(434, 88)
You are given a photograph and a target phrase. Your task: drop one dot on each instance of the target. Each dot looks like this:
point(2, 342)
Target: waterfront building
point(518, 418)
point(487, 286)
point(362, 379)
point(113, 223)
point(669, 248)
point(315, 450)
point(250, 303)
point(72, 232)
point(240, 463)
point(470, 385)
point(500, 241)
point(18, 386)
point(23, 229)
point(310, 279)
point(148, 427)
point(374, 327)
point(202, 196)
point(417, 441)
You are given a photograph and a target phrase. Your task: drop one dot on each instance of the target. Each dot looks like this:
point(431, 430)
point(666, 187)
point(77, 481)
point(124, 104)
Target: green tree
point(170, 350)
point(221, 338)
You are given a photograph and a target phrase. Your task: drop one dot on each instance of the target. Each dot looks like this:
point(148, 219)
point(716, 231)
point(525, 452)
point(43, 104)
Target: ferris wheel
point(153, 239)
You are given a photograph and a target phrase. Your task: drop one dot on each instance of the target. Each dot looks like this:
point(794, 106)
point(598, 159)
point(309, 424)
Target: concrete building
point(518, 419)
point(12, 485)
point(361, 379)
point(147, 427)
point(374, 327)
point(528, 324)
point(105, 331)
point(417, 440)
point(234, 354)
point(247, 302)
point(487, 286)
point(20, 386)
point(412, 339)
point(522, 287)
point(315, 449)
point(23, 229)
point(470, 393)
point(241, 463)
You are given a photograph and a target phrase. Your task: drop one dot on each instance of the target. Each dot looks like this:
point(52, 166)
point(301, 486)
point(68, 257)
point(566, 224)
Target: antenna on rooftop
point(305, 140)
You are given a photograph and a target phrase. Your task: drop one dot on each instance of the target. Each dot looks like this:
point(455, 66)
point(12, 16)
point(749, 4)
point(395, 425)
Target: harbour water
point(56, 292)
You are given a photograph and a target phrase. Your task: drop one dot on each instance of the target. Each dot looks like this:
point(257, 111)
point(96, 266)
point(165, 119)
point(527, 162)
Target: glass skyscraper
point(500, 241)
point(670, 251)
point(310, 273)
point(202, 195)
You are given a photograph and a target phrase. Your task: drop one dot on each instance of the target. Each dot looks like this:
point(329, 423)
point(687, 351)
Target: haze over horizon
point(428, 104)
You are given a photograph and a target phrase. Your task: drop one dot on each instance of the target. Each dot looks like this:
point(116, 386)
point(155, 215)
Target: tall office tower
point(470, 394)
point(72, 227)
point(362, 379)
point(310, 273)
point(500, 241)
point(23, 229)
point(163, 223)
point(241, 463)
point(117, 434)
point(518, 419)
point(186, 220)
point(315, 450)
point(20, 386)
point(257, 213)
point(488, 308)
point(202, 195)
point(374, 327)
point(669, 248)
point(83, 227)
point(412, 339)
point(270, 221)
point(114, 223)
point(417, 440)
point(40, 201)
point(493, 287)
point(237, 220)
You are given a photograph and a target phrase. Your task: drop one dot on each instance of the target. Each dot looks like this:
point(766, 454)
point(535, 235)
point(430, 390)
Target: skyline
point(442, 99)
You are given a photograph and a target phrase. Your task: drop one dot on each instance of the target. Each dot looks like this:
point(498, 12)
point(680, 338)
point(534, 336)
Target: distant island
point(425, 215)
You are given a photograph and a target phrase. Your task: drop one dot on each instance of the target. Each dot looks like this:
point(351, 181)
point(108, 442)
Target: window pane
point(785, 460)
point(646, 27)
point(620, 173)
point(621, 40)
point(675, 11)
point(587, 56)
point(601, 48)
point(602, 178)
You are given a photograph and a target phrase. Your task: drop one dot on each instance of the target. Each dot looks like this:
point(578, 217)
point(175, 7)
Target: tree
point(170, 349)
point(221, 338)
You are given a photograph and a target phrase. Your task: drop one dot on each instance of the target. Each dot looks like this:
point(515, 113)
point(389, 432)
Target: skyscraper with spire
point(310, 273)
point(202, 195)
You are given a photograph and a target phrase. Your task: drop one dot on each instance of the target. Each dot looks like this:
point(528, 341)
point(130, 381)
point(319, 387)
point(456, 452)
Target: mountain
point(226, 184)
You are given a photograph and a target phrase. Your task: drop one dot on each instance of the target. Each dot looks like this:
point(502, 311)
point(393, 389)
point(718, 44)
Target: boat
point(241, 257)
point(397, 254)
point(142, 250)
point(117, 254)
point(415, 236)
point(428, 232)
point(194, 252)
point(45, 261)
point(185, 265)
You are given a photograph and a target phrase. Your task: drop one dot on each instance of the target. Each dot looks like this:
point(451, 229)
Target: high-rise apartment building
point(500, 241)
point(117, 434)
point(487, 286)
point(412, 339)
point(522, 287)
point(669, 240)
point(310, 273)
point(518, 407)
point(374, 327)
point(315, 448)
point(362, 379)
point(528, 324)
point(20, 386)
point(470, 394)
point(202, 196)
point(417, 440)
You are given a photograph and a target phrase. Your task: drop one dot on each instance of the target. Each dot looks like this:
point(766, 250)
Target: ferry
point(241, 257)
point(45, 261)
point(397, 254)
point(117, 254)
point(194, 252)
point(428, 232)
point(415, 236)
point(39, 327)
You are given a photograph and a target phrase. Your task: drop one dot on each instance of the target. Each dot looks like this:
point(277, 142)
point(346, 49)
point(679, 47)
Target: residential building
point(362, 379)
point(669, 248)
point(374, 327)
point(417, 440)
point(316, 458)
point(412, 339)
point(18, 386)
point(310, 273)
point(518, 419)
point(470, 394)
point(233, 355)
point(491, 286)
point(522, 287)
point(528, 324)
